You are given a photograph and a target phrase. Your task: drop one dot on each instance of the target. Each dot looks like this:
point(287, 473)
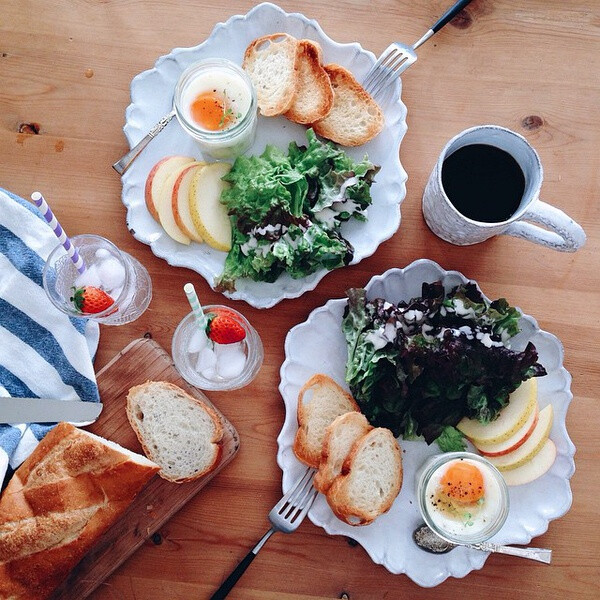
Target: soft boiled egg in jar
point(215, 104)
point(463, 497)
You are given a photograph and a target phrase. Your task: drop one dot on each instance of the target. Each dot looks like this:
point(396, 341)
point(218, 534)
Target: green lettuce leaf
point(451, 440)
point(419, 367)
point(286, 210)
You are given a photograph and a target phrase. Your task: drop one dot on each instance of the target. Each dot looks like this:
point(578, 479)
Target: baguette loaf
point(320, 401)
point(340, 436)
point(314, 95)
point(371, 479)
point(179, 432)
point(59, 502)
point(355, 117)
point(271, 62)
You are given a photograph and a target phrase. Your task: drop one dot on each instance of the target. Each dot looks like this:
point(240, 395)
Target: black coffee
point(483, 182)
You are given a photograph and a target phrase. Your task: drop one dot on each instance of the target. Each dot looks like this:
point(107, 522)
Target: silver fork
point(397, 57)
point(285, 516)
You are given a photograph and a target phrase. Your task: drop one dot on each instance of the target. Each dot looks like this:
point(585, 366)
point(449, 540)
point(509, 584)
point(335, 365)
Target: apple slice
point(208, 214)
point(514, 441)
point(165, 207)
point(533, 469)
point(180, 200)
point(157, 177)
point(522, 403)
point(523, 454)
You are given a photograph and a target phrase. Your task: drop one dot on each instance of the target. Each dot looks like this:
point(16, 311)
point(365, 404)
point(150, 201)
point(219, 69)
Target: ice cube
point(198, 341)
point(206, 363)
point(112, 273)
point(89, 277)
point(231, 360)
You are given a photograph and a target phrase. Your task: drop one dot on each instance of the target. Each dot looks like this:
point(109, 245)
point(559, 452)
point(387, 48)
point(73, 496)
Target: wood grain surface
point(65, 71)
point(142, 360)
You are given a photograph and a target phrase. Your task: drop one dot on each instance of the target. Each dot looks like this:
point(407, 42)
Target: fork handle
point(449, 14)
point(233, 578)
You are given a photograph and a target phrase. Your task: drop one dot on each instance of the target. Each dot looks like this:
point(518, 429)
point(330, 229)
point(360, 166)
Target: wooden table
point(65, 70)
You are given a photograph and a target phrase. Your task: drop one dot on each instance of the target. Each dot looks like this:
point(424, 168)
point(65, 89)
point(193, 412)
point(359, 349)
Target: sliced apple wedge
point(514, 441)
point(165, 207)
point(523, 454)
point(180, 200)
point(157, 177)
point(521, 404)
point(533, 469)
point(208, 214)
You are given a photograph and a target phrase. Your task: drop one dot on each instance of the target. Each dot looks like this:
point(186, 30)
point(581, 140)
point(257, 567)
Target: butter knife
point(43, 410)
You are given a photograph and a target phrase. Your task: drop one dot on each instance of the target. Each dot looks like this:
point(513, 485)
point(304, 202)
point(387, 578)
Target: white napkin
point(43, 352)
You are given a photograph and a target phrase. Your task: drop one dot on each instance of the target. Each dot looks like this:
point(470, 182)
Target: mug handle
point(562, 234)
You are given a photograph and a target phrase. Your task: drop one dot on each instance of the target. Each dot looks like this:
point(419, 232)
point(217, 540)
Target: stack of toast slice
point(359, 466)
point(291, 80)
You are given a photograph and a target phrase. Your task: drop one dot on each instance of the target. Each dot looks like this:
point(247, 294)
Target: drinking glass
point(119, 274)
point(187, 359)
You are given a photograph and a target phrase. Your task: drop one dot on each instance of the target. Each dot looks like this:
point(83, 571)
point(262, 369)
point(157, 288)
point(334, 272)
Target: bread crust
point(327, 474)
point(302, 450)
point(284, 90)
point(216, 439)
point(313, 82)
point(338, 497)
point(336, 126)
point(65, 495)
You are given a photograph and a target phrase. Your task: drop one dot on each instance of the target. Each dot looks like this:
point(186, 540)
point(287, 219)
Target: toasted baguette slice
point(314, 94)
point(355, 117)
point(320, 401)
point(370, 481)
point(271, 62)
point(176, 430)
point(340, 436)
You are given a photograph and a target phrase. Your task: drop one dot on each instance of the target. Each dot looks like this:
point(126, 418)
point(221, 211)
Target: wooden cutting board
point(140, 361)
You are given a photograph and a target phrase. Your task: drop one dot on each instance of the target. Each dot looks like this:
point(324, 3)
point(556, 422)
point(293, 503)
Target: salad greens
point(286, 211)
point(419, 367)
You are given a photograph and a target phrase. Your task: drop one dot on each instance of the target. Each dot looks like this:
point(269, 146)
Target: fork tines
point(390, 64)
point(295, 504)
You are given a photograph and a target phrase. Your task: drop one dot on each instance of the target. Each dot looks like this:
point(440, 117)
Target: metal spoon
point(125, 162)
point(427, 540)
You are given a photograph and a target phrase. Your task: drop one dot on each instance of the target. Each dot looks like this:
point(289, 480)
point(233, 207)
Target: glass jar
point(452, 515)
point(220, 76)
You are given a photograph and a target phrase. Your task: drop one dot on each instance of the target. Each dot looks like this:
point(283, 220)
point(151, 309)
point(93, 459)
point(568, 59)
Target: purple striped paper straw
point(47, 213)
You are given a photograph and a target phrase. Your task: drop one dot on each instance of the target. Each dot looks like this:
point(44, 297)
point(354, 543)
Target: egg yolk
point(463, 483)
point(211, 111)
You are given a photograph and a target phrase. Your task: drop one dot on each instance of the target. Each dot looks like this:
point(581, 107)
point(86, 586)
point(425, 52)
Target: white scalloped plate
point(318, 346)
point(152, 93)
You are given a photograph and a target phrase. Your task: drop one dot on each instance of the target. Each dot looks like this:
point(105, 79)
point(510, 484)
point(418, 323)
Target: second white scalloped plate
point(151, 98)
point(318, 346)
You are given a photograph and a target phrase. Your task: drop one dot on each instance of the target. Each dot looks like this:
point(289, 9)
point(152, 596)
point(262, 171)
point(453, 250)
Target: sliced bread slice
point(355, 117)
point(314, 94)
point(370, 481)
point(271, 62)
point(320, 401)
point(177, 431)
point(340, 436)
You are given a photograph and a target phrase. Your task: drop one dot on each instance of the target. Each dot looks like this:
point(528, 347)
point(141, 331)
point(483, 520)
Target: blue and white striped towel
point(43, 352)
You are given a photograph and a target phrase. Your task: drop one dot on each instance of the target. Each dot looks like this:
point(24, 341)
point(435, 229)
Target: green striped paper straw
point(192, 297)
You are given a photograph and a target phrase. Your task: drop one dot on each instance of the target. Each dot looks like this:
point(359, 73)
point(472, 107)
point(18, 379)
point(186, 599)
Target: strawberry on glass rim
point(224, 329)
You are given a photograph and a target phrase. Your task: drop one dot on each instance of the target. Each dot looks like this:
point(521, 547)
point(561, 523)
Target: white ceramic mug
point(447, 222)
